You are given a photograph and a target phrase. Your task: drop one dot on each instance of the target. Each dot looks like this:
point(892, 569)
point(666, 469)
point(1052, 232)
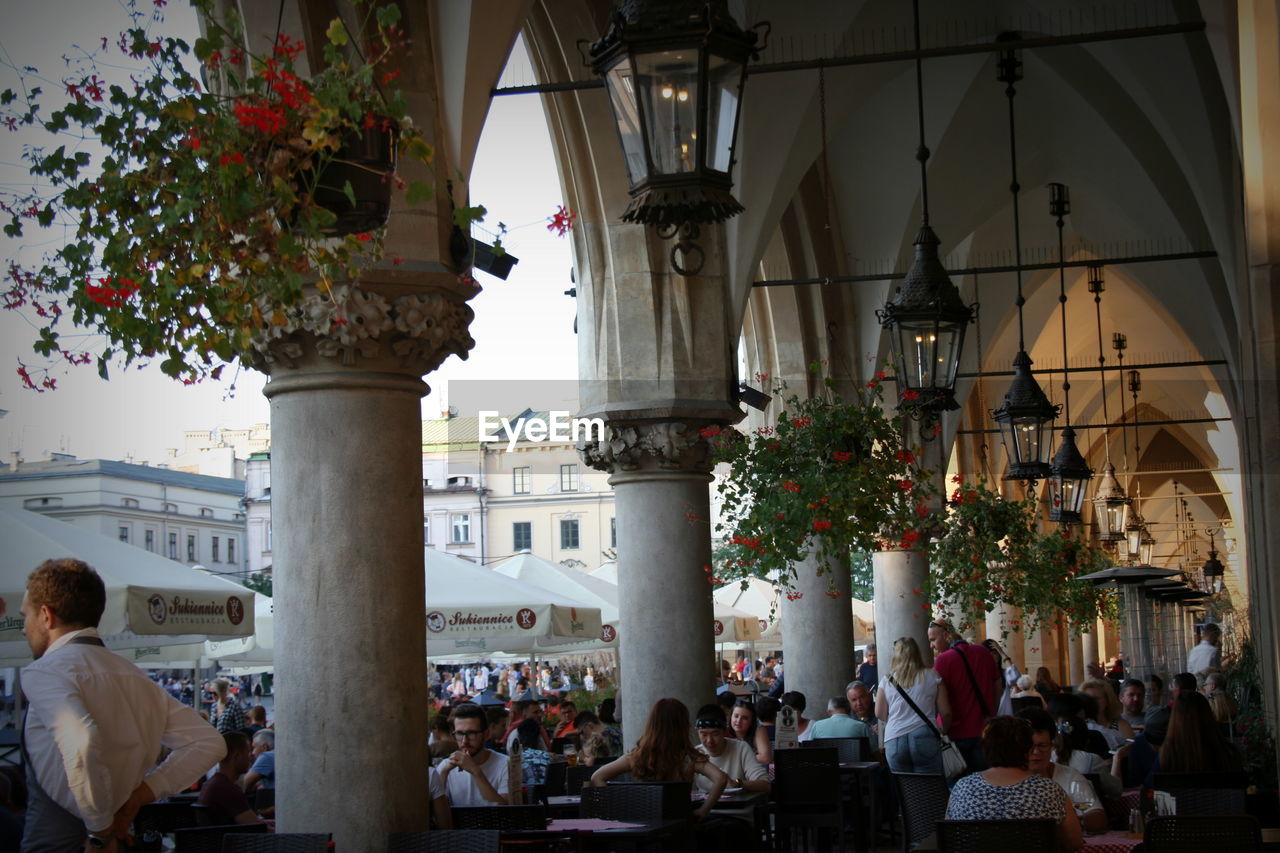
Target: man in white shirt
point(735, 757)
point(1207, 654)
point(95, 723)
point(474, 776)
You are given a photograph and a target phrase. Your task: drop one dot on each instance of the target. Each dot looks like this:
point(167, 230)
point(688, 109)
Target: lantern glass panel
point(622, 97)
point(724, 81)
point(1147, 550)
point(1113, 517)
point(1028, 434)
point(1133, 540)
point(667, 84)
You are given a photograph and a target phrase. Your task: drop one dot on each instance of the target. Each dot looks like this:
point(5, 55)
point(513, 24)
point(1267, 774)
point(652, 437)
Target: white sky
point(523, 326)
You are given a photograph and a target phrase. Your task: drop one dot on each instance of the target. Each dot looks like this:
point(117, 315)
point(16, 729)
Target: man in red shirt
point(970, 708)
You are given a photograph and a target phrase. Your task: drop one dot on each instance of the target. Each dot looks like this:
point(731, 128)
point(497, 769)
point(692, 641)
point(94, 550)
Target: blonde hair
point(907, 666)
point(1110, 707)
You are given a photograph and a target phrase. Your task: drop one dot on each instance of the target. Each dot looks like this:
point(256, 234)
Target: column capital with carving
point(683, 446)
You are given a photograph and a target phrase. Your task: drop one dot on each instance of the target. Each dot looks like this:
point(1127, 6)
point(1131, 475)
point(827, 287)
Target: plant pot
point(367, 162)
point(487, 260)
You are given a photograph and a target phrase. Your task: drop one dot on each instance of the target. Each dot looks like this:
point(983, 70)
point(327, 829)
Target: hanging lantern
point(926, 322)
point(1110, 507)
point(1069, 477)
point(1022, 420)
point(674, 70)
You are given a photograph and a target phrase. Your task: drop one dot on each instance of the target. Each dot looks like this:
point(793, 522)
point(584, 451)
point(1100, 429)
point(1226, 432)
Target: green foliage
point(1252, 731)
point(188, 223)
point(259, 582)
point(832, 474)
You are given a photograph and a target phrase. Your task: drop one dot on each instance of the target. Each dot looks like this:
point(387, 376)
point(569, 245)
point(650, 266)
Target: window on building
point(426, 532)
point(170, 507)
point(173, 546)
point(521, 480)
point(191, 547)
point(131, 503)
point(569, 533)
point(205, 512)
point(149, 537)
point(568, 478)
point(123, 533)
point(522, 536)
point(613, 533)
point(231, 550)
point(461, 528)
point(214, 551)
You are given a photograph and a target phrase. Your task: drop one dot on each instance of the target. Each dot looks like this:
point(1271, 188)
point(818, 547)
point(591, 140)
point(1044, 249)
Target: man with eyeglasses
point(474, 776)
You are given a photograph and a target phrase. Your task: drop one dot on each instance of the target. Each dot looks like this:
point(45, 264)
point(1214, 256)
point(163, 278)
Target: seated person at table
point(733, 756)
point(262, 773)
point(590, 726)
point(663, 754)
point(498, 717)
point(744, 723)
point(863, 705)
point(1083, 797)
point(1008, 790)
point(1194, 743)
point(795, 700)
point(530, 709)
point(1107, 720)
point(533, 758)
point(440, 740)
point(474, 776)
point(226, 801)
point(568, 714)
point(839, 723)
point(441, 816)
point(1072, 706)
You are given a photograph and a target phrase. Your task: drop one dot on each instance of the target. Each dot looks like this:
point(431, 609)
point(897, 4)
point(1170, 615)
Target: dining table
point(1112, 841)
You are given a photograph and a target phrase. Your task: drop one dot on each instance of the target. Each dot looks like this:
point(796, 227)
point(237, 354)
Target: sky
point(523, 327)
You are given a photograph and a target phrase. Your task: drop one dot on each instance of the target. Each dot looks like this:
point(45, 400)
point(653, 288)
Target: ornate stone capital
point(414, 331)
point(658, 446)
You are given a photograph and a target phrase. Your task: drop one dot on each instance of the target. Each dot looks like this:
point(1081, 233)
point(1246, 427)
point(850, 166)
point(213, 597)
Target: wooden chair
point(1198, 833)
point(208, 839)
point(922, 799)
point(807, 793)
point(446, 841)
point(500, 817)
point(997, 836)
point(280, 842)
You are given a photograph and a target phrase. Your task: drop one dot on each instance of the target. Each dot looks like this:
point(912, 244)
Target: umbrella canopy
point(151, 601)
point(470, 608)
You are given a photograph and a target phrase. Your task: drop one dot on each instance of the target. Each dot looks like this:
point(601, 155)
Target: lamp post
point(1110, 503)
point(674, 71)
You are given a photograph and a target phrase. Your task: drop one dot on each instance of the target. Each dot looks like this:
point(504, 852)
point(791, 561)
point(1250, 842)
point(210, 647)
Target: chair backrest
point(996, 836)
point(1173, 781)
point(1198, 833)
point(163, 817)
point(632, 803)
point(809, 777)
point(264, 798)
point(575, 776)
point(280, 842)
point(1210, 801)
point(500, 817)
point(1021, 702)
point(923, 797)
point(446, 841)
point(847, 748)
point(676, 797)
point(208, 839)
point(554, 784)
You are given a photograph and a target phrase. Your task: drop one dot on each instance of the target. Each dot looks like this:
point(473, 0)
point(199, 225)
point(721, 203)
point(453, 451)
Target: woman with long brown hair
point(665, 753)
point(1195, 743)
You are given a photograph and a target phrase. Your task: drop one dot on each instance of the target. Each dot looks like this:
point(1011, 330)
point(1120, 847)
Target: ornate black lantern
point(1022, 420)
point(674, 70)
point(926, 322)
point(1213, 567)
point(1069, 477)
point(1110, 507)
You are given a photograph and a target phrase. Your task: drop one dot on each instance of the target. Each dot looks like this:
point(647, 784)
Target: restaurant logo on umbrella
point(608, 633)
point(235, 610)
point(435, 621)
point(526, 618)
point(156, 608)
point(718, 627)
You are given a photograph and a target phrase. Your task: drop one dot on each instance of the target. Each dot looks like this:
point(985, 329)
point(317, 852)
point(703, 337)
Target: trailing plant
point(830, 476)
point(185, 219)
point(1251, 729)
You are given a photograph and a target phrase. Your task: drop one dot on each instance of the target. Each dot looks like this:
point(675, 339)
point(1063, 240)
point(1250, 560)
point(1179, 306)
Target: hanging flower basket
point(356, 185)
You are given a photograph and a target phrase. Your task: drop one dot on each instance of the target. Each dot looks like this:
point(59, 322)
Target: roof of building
point(59, 468)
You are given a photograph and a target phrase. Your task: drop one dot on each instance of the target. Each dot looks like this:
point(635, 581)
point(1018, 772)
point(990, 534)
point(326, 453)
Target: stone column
point(900, 607)
point(817, 627)
point(350, 647)
point(661, 473)
point(1076, 660)
point(1089, 646)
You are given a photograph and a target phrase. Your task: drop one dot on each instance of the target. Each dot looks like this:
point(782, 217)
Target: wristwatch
point(100, 840)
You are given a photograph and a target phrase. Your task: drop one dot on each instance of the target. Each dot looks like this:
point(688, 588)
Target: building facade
point(192, 518)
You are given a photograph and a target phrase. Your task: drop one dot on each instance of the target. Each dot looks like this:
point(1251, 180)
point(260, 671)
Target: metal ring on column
point(686, 246)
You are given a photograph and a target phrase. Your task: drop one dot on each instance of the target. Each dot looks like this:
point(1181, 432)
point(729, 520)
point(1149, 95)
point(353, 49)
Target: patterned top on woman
point(974, 798)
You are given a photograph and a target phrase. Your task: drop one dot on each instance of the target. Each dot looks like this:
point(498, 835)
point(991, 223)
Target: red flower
point(364, 237)
point(842, 455)
point(906, 485)
point(910, 394)
point(822, 525)
point(709, 431)
point(906, 456)
point(802, 422)
point(762, 377)
point(880, 374)
point(791, 486)
point(561, 222)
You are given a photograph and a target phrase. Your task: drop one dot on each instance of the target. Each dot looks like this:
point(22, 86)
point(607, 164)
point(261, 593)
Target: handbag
point(953, 763)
